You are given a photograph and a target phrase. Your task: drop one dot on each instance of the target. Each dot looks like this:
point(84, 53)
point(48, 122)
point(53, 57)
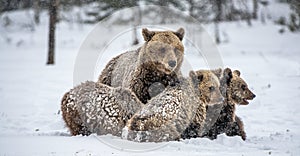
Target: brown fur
point(236, 91)
point(98, 108)
point(136, 70)
point(237, 128)
point(157, 61)
point(169, 115)
point(71, 116)
point(209, 94)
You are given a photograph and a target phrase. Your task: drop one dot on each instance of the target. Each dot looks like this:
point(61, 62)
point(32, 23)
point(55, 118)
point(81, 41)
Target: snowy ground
point(30, 93)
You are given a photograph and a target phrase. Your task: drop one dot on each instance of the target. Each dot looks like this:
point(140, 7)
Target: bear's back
point(124, 69)
point(166, 115)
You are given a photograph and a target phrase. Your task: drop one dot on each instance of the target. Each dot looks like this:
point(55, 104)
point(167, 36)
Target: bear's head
point(235, 87)
point(163, 49)
point(207, 84)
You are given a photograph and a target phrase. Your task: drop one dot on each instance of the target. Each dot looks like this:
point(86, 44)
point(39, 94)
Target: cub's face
point(208, 85)
point(238, 89)
point(163, 49)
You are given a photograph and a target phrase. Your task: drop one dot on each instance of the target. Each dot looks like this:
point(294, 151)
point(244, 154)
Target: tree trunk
point(163, 10)
point(217, 20)
point(247, 13)
point(217, 33)
point(191, 8)
point(136, 21)
point(52, 22)
point(135, 39)
point(36, 8)
point(255, 9)
point(263, 17)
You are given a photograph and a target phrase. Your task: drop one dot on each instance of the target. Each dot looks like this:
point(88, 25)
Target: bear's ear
point(217, 72)
point(192, 75)
point(147, 34)
point(200, 77)
point(237, 72)
point(180, 33)
point(196, 78)
point(227, 74)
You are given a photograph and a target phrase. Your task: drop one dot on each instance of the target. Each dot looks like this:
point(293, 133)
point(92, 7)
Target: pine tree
point(36, 8)
point(218, 17)
point(107, 7)
point(52, 22)
point(294, 24)
point(137, 20)
point(255, 9)
point(199, 9)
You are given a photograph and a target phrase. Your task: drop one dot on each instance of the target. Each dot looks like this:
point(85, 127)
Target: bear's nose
point(172, 63)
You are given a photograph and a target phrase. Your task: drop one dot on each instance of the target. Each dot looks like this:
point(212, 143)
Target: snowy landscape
point(30, 91)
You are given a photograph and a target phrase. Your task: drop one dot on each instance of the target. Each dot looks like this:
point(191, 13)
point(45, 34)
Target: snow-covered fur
point(97, 108)
point(167, 115)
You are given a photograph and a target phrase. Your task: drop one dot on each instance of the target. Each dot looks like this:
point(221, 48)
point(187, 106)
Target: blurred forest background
point(204, 11)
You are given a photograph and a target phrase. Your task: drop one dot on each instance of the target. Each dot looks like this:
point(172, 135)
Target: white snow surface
point(30, 93)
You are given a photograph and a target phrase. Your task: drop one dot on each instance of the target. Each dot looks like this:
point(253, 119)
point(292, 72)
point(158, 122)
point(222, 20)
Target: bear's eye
point(212, 88)
point(243, 87)
point(177, 51)
point(162, 50)
point(152, 50)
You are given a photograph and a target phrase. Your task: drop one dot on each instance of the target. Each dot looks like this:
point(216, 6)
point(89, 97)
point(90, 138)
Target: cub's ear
point(217, 72)
point(237, 72)
point(147, 34)
point(227, 74)
point(180, 33)
point(197, 77)
point(192, 75)
point(200, 77)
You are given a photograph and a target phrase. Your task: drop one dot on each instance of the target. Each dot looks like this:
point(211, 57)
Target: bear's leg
point(215, 130)
point(237, 128)
point(191, 131)
point(221, 125)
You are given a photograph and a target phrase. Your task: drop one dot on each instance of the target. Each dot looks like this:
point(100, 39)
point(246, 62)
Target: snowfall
point(30, 91)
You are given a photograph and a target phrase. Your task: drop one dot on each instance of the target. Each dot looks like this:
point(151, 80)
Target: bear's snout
point(253, 96)
point(172, 63)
